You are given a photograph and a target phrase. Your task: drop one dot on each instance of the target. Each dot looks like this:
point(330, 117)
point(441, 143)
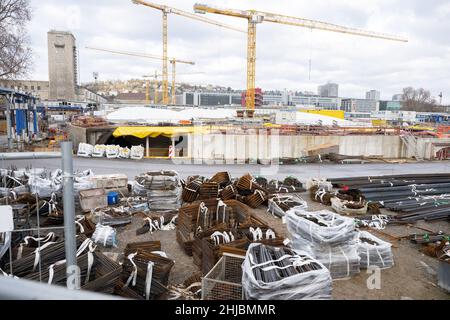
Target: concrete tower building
point(328, 90)
point(373, 95)
point(62, 65)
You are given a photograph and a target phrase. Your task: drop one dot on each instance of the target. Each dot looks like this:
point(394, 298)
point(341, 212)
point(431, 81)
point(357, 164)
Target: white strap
point(133, 274)
point(148, 279)
point(270, 234)
point(37, 253)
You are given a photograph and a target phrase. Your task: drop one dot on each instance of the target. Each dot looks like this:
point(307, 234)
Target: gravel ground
point(408, 279)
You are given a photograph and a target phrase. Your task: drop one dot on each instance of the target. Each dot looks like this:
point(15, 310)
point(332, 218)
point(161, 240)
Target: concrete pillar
point(147, 147)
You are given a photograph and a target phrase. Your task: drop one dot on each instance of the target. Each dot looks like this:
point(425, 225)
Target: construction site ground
point(412, 277)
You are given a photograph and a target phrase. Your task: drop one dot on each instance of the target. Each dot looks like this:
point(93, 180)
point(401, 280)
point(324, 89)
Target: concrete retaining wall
point(265, 147)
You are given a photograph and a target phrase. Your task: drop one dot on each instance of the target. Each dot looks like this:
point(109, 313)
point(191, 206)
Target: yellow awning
point(153, 132)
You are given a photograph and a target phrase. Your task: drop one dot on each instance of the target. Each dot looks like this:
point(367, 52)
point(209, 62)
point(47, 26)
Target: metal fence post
point(72, 271)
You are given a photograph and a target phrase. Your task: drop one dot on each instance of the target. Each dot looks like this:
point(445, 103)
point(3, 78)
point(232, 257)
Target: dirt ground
point(412, 277)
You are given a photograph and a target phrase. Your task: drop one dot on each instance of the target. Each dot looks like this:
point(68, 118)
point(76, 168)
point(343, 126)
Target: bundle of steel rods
point(328, 237)
point(279, 204)
point(374, 252)
point(162, 188)
point(147, 273)
point(191, 191)
point(417, 197)
point(221, 178)
point(48, 254)
point(278, 273)
point(204, 214)
point(155, 222)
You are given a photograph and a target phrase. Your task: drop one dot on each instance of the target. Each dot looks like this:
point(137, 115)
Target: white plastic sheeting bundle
point(275, 273)
point(137, 152)
point(112, 151)
point(105, 236)
point(345, 207)
point(47, 183)
point(162, 188)
point(99, 151)
point(85, 150)
point(124, 153)
point(279, 204)
point(82, 181)
point(374, 252)
point(320, 183)
point(328, 237)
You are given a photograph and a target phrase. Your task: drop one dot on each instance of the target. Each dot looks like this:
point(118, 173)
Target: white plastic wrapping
point(44, 187)
point(275, 209)
point(340, 206)
point(137, 152)
point(321, 183)
point(163, 190)
point(374, 252)
point(99, 151)
point(124, 153)
point(314, 284)
point(341, 260)
point(112, 151)
point(85, 150)
point(328, 237)
point(105, 236)
point(332, 228)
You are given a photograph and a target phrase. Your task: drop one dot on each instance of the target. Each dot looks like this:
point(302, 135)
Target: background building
point(359, 105)
point(211, 98)
point(62, 65)
point(390, 106)
point(39, 89)
point(328, 90)
point(373, 95)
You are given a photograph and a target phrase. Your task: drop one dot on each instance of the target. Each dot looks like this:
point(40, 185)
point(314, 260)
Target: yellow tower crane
point(155, 82)
point(173, 62)
point(155, 86)
point(254, 17)
point(165, 11)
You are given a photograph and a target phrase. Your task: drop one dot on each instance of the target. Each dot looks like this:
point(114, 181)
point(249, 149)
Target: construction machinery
point(254, 17)
point(173, 62)
point(165, 11)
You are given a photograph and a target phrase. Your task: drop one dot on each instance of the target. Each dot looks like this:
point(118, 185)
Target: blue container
point(113, 198)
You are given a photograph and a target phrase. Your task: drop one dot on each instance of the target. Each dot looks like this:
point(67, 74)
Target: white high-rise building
point(373, 95)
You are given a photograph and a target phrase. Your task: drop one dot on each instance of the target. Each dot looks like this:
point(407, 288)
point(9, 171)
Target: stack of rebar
point(191, 191)
point(279, 204)
point(208, 190)
point(278, 273)
point(221, 178)
point(146, 271)
point(328, 237)
point(415, 196)
point(162, 188)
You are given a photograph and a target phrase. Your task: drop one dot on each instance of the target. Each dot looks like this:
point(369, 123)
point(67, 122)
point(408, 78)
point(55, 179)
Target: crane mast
point(165, 11)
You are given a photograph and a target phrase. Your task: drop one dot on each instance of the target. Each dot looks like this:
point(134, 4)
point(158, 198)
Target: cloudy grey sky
point(283, 52)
